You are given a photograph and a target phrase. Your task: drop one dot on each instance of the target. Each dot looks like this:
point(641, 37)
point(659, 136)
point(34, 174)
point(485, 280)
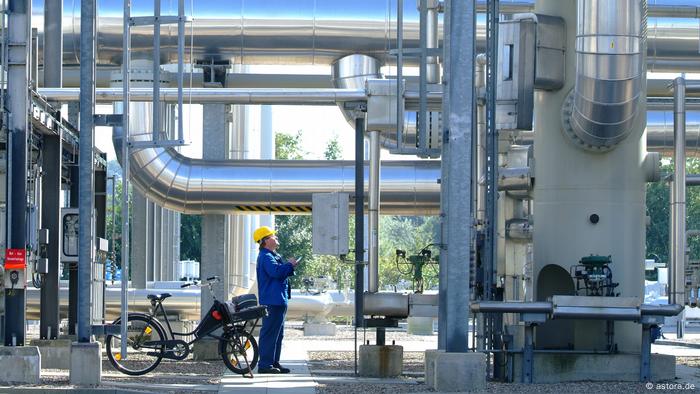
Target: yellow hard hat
point(262, 232)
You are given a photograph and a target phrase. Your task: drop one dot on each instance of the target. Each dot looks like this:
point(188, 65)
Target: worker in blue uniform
point(274, 292)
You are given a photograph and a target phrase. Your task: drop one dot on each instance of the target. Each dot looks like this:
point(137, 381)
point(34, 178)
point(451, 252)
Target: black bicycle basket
point(215, 318)
point(244, 308)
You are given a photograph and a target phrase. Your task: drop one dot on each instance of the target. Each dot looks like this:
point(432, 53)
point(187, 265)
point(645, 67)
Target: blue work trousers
point(271, 335)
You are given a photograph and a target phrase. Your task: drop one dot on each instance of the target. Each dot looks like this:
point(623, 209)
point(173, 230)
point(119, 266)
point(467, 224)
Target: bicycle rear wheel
point(140, 358)
point(239, 350)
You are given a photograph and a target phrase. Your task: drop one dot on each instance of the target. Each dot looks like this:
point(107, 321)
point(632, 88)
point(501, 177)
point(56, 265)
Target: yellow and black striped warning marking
point(275, 208)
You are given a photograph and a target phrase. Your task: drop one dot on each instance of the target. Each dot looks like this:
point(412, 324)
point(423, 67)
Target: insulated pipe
point(432, 40)
point(659, 133)
point(480, 85)
point(547, 307)
point(678, 205)
point(53, 43)
point(318, 32)
point(351, 72)
point(605, 99)
point(373, 213)
point(197, 186)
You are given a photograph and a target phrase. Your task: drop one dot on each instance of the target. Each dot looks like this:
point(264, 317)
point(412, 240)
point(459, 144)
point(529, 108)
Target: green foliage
point(332, 151)
point(658, 199)
point(114, 220)
point(191, 237)
point(397, 232)
point(288, 147)
point(410, 234)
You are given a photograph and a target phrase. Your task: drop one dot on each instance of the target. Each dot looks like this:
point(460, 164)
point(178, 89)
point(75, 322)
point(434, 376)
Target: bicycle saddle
point(158, 297)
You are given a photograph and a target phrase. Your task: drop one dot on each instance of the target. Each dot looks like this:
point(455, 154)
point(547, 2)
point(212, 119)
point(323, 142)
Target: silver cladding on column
point(609, 44)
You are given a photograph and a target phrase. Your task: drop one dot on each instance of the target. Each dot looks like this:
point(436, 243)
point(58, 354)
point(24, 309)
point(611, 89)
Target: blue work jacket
point(273, 278)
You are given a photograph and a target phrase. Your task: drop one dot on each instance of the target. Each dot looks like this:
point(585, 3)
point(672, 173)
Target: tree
point(191, 237)
point(288, 147)
point(114, 219)
point(332, 151)
point(657, 201)
point(410, 234)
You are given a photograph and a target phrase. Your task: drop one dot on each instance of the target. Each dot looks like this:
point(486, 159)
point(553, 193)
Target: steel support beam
point(18, 31)
point(456, 210)
point(51, 180)
point(51, 220)
point(86, 164)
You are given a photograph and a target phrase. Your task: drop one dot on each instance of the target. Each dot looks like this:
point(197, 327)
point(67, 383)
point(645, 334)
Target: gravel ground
point(345, 361)
point(689, 361)
point(295, 331)
point(168, 372)
point(321, 363)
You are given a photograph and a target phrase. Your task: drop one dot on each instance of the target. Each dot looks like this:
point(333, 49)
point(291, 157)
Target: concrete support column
point(214, 227)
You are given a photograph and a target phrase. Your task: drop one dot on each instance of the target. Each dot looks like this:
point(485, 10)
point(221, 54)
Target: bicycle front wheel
point(142, 357)
point(239, 349)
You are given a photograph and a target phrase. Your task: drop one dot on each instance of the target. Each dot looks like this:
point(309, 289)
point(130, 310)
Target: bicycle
point(150, 342)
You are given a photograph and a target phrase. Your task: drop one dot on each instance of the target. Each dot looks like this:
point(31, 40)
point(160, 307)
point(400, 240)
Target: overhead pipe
point(317, 33)
point(196, 186)
point(609, 72)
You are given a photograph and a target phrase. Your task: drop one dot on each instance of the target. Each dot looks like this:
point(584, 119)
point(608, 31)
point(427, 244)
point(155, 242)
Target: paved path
point(298, 381)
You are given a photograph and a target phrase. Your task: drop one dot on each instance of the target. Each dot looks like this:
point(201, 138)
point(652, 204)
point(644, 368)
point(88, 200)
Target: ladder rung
point(151, 20)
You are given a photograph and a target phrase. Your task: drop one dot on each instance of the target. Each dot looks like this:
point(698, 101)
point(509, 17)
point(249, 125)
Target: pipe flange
point(567, 110)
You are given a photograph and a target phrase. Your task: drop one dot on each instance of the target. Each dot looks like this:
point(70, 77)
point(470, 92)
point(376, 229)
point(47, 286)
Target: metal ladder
point(157, 20)
point(423, 148)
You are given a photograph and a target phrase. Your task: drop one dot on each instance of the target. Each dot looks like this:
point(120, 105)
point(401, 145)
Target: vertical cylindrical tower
point(573, 184)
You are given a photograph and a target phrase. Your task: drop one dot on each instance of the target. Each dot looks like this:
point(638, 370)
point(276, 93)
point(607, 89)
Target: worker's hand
point(294, 262)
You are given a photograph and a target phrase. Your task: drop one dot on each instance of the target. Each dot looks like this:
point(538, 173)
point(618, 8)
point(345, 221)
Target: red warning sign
point(15, 259)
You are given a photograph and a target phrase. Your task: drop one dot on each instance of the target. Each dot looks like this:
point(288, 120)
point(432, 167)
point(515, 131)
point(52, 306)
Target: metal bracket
point(106, 329)
point(375, 322)
point(109, 120)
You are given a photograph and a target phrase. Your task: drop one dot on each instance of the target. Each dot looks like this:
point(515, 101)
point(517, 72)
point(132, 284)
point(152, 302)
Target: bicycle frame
point(170, 334)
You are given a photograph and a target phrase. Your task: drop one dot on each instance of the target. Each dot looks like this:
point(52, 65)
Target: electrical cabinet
point(330, 223)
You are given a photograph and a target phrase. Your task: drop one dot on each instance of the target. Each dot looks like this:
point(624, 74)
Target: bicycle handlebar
point(210, 281)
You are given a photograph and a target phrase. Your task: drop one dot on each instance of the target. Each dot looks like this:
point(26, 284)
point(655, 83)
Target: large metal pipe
point(480, 157)
point(184, 303)
point(659, 132)
point(678, 207)
point(609, 71)
point(318, 32)
point(53, 43)
point(547, 308)
point(196, 186)
point(373, 213)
